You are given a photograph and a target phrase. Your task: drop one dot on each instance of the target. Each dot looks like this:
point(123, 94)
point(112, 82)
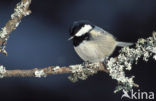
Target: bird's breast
point(92, 51)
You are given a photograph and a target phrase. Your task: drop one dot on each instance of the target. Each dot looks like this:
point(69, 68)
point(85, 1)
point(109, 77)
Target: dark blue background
point(41, 40)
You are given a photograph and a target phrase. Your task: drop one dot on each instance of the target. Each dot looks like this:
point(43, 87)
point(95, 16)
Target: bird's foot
point(105, 60)
point(86, 63)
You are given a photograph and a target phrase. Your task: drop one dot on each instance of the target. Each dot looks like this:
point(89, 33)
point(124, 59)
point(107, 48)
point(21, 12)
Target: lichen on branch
point(21, 10)
point(144, 48)
point(115, 67)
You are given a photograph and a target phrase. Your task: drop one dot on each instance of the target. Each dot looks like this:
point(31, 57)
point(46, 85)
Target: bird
point(92, 43)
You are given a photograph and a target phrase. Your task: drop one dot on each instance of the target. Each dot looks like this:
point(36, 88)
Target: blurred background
point(41, 41)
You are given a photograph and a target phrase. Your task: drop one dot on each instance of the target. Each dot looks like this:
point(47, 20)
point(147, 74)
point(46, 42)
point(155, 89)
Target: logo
point(138, 95)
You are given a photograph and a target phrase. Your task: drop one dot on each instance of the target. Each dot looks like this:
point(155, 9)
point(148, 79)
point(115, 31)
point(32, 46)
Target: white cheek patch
point(83, 30)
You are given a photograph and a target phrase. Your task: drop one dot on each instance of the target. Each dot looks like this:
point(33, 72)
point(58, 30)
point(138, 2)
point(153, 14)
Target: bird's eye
point(86, 36)
point(73, 30)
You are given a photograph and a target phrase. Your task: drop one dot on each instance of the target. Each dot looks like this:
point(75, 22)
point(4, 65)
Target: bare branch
point(21, 10)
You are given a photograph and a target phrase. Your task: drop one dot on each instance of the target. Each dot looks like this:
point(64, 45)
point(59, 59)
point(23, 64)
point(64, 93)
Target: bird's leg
point(86, 63)
point(105, 60)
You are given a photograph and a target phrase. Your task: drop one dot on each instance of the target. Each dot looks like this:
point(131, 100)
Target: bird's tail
point(123, 44)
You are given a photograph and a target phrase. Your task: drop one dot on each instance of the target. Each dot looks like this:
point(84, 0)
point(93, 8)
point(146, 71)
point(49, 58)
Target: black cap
point(77, 25)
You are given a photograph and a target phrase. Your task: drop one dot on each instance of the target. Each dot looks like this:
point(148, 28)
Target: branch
point(21, 10)
point(43, 72)
point(144, 48)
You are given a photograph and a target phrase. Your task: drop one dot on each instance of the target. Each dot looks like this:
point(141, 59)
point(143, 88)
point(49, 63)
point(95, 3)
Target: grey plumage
point(99, 45)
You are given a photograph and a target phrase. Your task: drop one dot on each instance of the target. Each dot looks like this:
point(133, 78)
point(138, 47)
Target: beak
point(71, 38)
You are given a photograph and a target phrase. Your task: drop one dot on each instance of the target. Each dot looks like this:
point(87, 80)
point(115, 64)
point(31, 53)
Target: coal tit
point(92, 43)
